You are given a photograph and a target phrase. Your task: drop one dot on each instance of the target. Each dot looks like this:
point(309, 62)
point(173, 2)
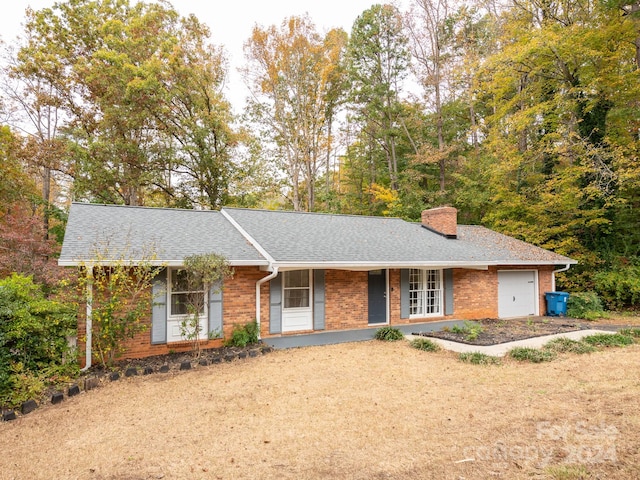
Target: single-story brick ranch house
point(309, 272)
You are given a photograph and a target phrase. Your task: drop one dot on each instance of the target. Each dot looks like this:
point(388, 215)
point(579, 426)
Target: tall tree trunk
point(440, 128)
point(46, 197)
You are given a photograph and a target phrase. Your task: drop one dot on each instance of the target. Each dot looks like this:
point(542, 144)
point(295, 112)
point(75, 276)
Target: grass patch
point(630, 332)
point(470, 330)
point(608, 340)
point(477, 358)
point(533, 355)
point(388, 334)
point(566, 345)
point(568, 472)
point(425, 345)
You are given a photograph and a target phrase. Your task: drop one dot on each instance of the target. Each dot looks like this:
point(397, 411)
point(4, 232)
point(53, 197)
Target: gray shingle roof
point(131, 233)
point(295, 239)
point(290, 239)
point(507, 250)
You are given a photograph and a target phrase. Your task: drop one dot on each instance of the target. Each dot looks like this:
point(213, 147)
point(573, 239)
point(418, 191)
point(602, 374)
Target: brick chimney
point(442, 220)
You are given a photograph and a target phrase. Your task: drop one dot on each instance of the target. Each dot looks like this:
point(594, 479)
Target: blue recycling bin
point(556, 303)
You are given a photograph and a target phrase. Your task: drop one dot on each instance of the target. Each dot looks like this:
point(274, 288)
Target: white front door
point(297, 311)
point(517, 293)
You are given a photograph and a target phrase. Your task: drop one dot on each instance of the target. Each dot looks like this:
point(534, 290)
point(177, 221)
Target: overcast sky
point(230, 22)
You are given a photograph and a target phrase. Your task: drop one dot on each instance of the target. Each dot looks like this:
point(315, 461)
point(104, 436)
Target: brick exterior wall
point(475, 296)
point(239, 307)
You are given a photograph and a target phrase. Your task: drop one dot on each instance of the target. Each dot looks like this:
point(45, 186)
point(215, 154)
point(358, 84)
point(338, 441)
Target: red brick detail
point(239, 308)
point(475, 296)
point(346, 299)
point(443, 220)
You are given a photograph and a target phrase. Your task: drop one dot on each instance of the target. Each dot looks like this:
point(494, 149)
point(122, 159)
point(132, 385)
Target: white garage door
point(517, 293)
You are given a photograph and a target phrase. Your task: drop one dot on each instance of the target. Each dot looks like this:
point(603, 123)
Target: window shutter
point(404, 293)
point(448, 291)
point(159, 308)
point(318, 300)
point(275, 304)
point(215, 310)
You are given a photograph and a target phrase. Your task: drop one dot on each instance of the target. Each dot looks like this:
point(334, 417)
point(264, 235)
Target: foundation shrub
point(243, 335)
point(388, 334)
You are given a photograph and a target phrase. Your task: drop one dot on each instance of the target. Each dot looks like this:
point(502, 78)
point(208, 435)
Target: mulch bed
point(495, 331)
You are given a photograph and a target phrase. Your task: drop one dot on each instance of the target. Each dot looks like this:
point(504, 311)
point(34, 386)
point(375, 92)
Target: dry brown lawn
point(369, 410)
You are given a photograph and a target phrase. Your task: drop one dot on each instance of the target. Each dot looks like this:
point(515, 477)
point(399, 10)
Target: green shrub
point(243, 335)
point(425, 344)
point(533, 355)
point(585, 305)
point(620, 286)
point(608, 340)
point(389, 334)
point(25, 386)
point(458, 329)
point(566, 345)
point(33, 339)
point(478, 358)
point(470, 330)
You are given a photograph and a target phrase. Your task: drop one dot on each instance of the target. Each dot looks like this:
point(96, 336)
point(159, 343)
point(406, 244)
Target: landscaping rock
point(131, 372)
point(114, 376)
point(242, 354)
point(216, 359)
point(186, 365)
point(73, 390)
point(203, 362)
point(91, 382)
point(253, 353)
point(147, 371)
point(230, 357)
point(164, 369)
point(8, 416)
point(28, 406)
point(57, 397)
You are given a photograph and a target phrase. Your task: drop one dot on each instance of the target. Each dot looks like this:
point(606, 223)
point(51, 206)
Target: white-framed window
point(297, 289)
point(181, 294)
point(425, 293)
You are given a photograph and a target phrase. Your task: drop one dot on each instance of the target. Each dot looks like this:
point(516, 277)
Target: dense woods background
point(523, 114)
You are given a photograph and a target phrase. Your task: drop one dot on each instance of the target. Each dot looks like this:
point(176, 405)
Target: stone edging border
point(93, 380)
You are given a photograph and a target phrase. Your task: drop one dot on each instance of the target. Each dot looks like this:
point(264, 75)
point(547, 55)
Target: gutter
point(89, 320)
point(553, 275)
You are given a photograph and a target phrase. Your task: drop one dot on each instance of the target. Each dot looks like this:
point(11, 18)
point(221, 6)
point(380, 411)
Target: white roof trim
point(282, 266)
point(155, 263)
point(248, 237)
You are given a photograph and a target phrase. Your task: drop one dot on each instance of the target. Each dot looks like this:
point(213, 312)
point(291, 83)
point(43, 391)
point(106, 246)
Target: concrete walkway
point(501, 349)
point(364, 334)
point(357, 335)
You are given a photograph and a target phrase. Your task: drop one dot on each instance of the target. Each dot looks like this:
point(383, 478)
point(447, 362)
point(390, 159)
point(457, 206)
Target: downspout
point(89, 320)
point(272, 275)
point(263, 252)
point(553, 276)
